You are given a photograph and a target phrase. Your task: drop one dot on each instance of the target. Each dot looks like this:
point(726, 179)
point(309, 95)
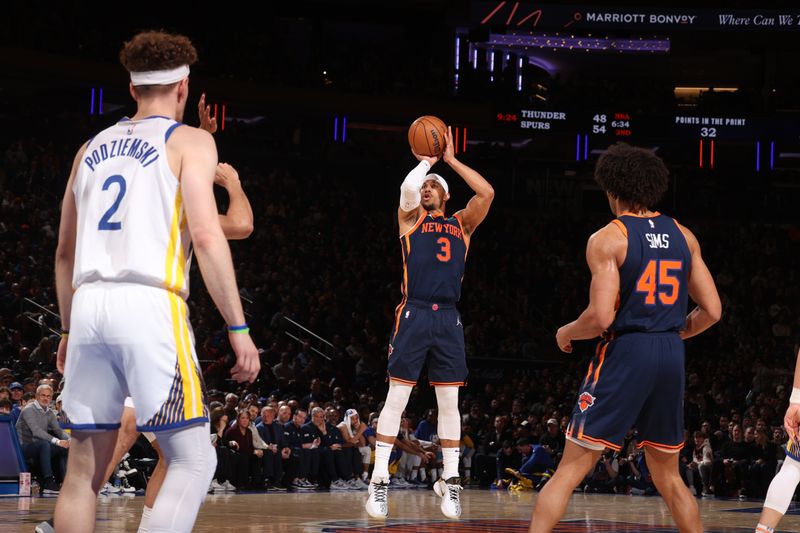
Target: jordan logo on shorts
point(585, 401)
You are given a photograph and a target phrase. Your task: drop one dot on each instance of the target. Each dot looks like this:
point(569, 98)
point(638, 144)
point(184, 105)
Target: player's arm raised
point(237, 222)
point(478, 206)
point(410, 195)
point(65, 257)
point(702, 290)
point(602, 253)
point(198, 164)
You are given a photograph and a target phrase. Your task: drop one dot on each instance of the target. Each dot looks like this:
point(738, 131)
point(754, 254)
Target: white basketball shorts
point(132, 340)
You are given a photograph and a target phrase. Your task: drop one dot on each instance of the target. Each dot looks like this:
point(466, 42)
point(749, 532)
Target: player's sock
point(450, 460)
point(382, 453)
point(192, 462)
point(422, 475)
point(761, 528)
point(145, 522)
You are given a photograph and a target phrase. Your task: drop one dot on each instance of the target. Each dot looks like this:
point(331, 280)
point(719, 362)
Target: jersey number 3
point(444, 253)
point(656, 274)
point(105, 222)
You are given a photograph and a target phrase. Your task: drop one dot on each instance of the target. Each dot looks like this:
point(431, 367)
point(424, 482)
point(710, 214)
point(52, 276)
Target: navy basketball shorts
point(636, 379)
point(428, 332)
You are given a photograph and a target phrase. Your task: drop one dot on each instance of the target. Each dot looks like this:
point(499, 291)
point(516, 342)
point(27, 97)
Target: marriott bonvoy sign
point(523, 16)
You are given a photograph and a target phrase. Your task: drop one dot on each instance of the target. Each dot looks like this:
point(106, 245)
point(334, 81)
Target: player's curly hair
point(632, 175)
point(157, 50)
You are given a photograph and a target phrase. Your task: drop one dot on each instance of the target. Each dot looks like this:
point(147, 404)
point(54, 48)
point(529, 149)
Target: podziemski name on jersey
point(129, 147)
point(657, 240)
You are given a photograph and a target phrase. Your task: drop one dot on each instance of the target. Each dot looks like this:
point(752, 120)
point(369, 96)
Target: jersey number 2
point(657, 273)
point(444, 254)
point(105, 221)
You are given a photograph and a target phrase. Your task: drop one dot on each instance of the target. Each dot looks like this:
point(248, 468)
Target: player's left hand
point(61, 355)
point(204, 111)
point(248, 364)
point(563, 340)
point(449, 149)
point(225, 175)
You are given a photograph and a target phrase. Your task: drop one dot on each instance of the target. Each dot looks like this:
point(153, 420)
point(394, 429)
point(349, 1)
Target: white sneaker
point(378, 502)
point(228, 487)
point(126, 487)
point(104, 489)
point(339, 485)
point(450, 492)
point(400, 483)
point(361, 485)
point(113, 489)
point(216, 486)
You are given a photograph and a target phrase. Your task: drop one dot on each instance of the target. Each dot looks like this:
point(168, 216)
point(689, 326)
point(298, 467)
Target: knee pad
point(449, 418)
point(781, 490)
point(396, 400)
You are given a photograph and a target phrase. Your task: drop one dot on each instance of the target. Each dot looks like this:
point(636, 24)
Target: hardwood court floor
point(411, 511)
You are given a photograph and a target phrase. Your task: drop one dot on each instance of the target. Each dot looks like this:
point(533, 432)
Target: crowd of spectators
point(324, 255)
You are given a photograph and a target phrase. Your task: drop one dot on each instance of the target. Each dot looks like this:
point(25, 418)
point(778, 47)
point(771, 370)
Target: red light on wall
point(712, 153)
point(455, 148)
point(222, 124)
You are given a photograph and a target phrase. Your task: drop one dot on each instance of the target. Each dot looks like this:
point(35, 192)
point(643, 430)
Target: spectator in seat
point(42, 439)
point(240, 439)
point(294, 433)
point(230, 465)
point(355, 443)
point(276, 452)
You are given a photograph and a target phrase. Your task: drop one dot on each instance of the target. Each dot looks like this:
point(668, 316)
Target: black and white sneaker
point(45, 527)
point(377, 505)
point(450, 492)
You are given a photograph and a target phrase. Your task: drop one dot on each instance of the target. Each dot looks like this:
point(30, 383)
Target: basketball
point(427, 136)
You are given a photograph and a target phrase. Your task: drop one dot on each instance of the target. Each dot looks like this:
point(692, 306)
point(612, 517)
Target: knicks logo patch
point(585, 401)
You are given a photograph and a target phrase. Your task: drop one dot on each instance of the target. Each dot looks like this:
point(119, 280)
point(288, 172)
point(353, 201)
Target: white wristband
point(795, 397)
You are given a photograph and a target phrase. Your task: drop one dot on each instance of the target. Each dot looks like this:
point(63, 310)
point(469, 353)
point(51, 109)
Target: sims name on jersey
point(657, 240)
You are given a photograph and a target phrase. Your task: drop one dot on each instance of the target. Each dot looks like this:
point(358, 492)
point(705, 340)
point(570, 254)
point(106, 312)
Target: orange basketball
point(427, 136)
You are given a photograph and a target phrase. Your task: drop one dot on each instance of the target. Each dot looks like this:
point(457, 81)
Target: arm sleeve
point(409, 190)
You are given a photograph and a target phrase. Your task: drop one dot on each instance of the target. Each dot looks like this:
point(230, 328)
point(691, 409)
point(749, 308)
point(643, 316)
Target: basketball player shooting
point(427, 324)
point(651, 265)
point(781, 489)
point(138, 196)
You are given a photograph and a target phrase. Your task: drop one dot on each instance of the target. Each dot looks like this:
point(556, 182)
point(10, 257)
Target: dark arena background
point(313, 100)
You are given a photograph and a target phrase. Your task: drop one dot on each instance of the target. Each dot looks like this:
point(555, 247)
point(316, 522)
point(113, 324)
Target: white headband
point(440, 179)
point(160, 77)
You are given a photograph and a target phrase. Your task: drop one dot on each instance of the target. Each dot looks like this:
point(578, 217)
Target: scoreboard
point(611, 125)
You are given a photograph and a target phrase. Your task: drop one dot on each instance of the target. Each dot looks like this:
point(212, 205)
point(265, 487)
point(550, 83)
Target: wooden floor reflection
point(411, 511)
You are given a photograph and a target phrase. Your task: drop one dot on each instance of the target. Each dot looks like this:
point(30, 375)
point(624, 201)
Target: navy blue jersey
point(654, 279)
point(434, 254)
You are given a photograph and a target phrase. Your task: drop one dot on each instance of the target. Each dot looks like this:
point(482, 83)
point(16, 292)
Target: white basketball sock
point(191, 463)
point(145, 522)
point(450, 460)
point(761, 528)
point(382, 453)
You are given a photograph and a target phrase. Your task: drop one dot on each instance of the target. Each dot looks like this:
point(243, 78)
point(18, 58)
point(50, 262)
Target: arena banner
point(534, 15)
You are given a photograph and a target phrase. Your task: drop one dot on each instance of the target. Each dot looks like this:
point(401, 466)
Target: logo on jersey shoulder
point(585, 401)
point(652, 224)
point(408, 314)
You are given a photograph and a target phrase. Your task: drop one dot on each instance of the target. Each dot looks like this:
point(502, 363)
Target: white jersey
point(131, 222)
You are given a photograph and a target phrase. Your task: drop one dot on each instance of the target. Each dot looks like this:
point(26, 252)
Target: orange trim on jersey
point(629, 214)
point(417, 224)
point(404, 381)
point(593, 440)
point(621, 225)
point(660, 446)
point(466, 235)
point(447, 384)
